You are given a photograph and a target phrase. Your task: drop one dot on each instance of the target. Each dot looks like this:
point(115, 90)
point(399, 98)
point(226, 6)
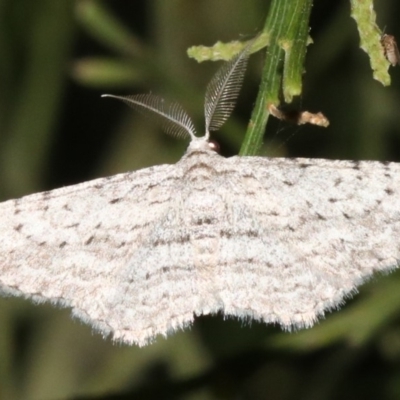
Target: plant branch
point(287, 28)
point(370, 38)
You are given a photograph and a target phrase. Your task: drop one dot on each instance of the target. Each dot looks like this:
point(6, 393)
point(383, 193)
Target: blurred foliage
point(57, 58)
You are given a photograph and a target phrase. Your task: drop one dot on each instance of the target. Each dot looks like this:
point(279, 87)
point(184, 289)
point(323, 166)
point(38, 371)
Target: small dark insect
point(390, 49)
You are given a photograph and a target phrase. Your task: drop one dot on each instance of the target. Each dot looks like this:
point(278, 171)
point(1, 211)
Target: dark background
point(55, 130)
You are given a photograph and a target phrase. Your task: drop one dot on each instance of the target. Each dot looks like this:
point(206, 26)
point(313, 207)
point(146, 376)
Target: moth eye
point(214, 146)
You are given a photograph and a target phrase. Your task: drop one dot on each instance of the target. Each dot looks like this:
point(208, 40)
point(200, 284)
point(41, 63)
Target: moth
point(142, 253)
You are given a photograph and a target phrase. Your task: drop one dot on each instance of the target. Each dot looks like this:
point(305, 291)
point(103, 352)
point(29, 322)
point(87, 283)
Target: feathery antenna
point(220, 99)
point(173, 118)
point(223, 90)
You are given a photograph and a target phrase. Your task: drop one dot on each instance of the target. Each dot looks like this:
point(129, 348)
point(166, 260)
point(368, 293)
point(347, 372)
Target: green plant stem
point(287, 28)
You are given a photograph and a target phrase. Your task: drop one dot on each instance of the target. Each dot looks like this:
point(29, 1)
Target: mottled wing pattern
point(301, 234)
point(139, 254)
point(73, 245)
